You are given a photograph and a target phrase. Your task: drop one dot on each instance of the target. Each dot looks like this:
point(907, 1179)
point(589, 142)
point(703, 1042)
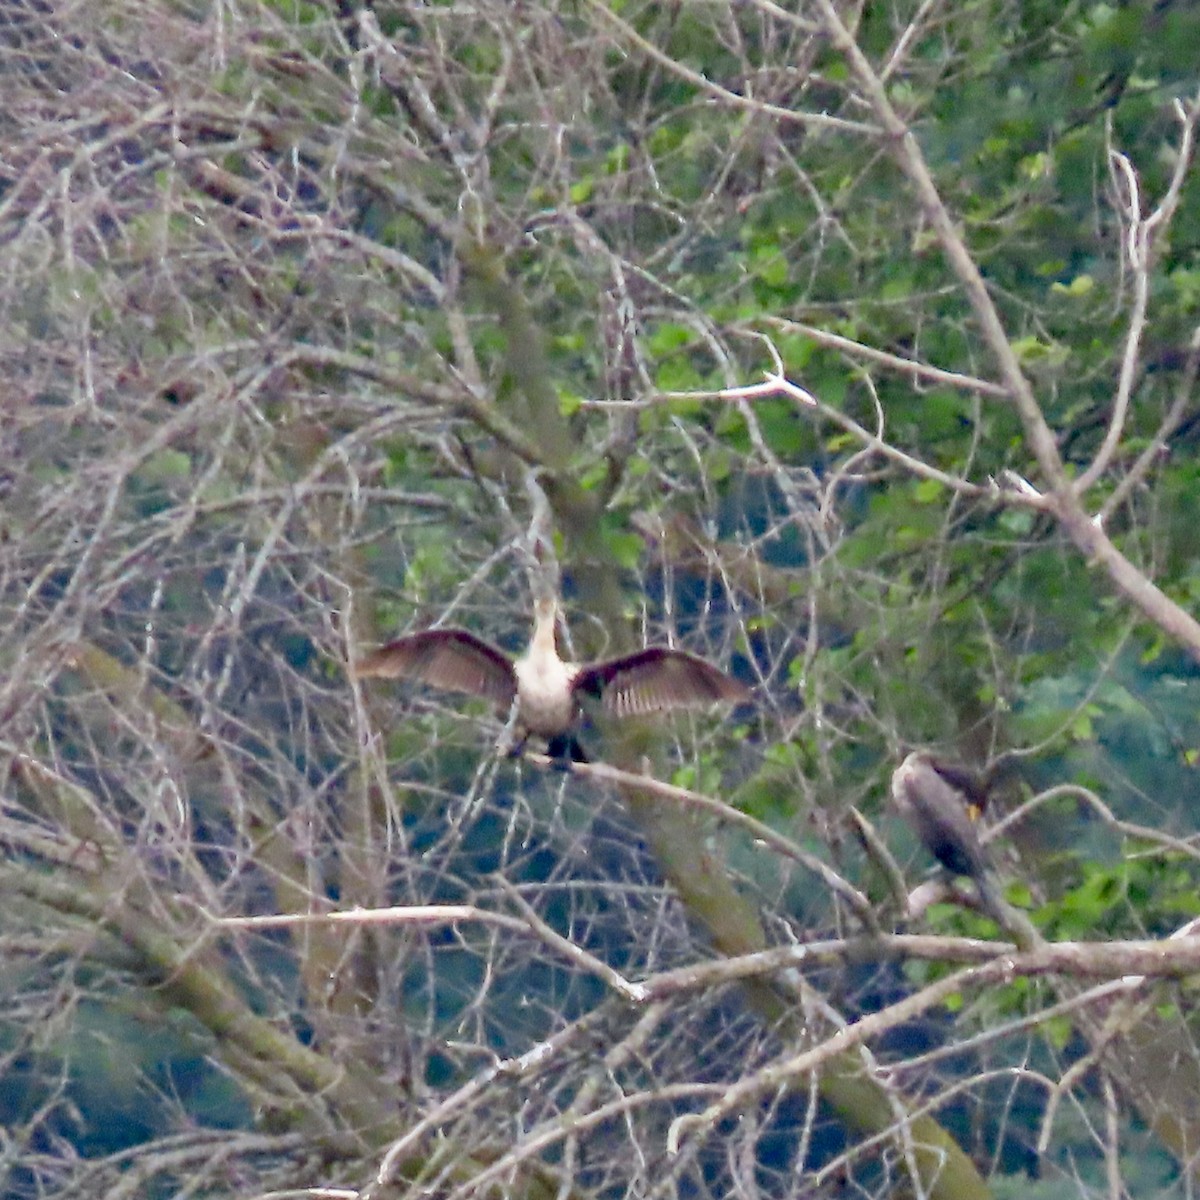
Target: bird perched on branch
point(941, 801)
point(545, 689)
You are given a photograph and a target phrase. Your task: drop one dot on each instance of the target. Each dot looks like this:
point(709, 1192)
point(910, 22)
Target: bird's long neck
point(547, 702)
point(543, 645)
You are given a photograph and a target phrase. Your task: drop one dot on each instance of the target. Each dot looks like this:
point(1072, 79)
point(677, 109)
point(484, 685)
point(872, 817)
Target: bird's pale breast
point(546, 704)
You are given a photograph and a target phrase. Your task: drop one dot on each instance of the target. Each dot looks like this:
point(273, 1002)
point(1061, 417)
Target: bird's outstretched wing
point(445, 658)
point(657, 680)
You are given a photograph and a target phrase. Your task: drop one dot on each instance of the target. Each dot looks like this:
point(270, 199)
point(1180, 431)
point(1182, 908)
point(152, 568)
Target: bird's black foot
point(516, 748)
point(564, 749)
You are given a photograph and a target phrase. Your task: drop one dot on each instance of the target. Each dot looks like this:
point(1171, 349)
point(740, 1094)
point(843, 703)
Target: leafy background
point(294, 299)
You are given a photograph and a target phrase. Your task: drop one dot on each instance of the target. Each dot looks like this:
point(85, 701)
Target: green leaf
point(625, 547)
point(785, 431)
point(166, 464)
point(771, 268)
point(1079, 286)
point(1058, 1031)
point(667, 338)
point(1032, 350)
point(616, 162)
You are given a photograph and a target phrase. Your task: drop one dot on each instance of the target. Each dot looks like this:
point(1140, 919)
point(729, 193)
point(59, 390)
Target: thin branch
point(788, 116)
point(731, 816)
point(1087, 534)
point(777, 385)
point(445, 914)
point(1159, 444)
point(1131, 829)
point(1169, 959)
point(1142, 240)
point(904, 366)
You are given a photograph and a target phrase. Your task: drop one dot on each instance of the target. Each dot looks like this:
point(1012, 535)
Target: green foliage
point(623, 544)
point(299, 219)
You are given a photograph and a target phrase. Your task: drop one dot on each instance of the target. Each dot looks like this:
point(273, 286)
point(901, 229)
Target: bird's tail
point(566, 748)
point(1015, 923)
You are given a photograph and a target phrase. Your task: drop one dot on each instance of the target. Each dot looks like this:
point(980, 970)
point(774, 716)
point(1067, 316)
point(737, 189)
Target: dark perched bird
point(939, 801)
point(547, 689)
